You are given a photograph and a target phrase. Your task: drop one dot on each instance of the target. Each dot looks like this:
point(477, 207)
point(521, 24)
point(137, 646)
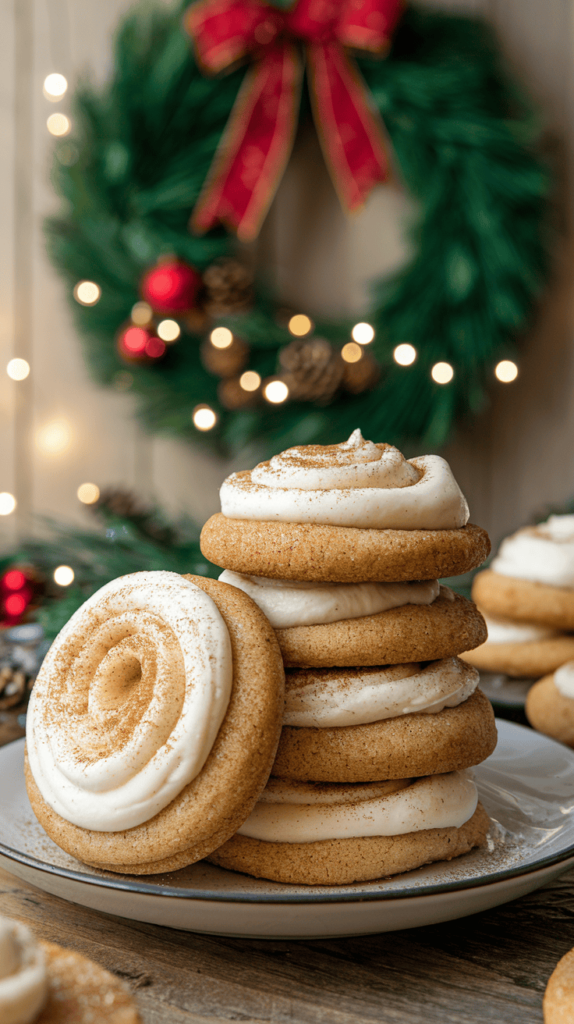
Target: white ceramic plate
point(527, 786)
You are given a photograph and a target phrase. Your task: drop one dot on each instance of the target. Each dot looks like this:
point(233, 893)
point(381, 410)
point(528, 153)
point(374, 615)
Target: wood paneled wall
point(516, 458)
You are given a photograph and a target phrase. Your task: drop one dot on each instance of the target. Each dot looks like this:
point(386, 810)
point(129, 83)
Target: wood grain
point(490, 967)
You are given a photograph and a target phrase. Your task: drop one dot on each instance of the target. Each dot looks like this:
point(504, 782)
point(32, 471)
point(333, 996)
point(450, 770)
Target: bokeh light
point(14, 580)
point(276, 391)
point(363, 333)
point(55, 86)
point(221, 337)
point(18, 369)
point(204, 417)
point(142, 313)
point(442, 373)
point(64, 575)
point(168, 330)
point(250, 380)
point(58, 124)
point(88, 493)
point(54, 437)
point(7, 503)
point(352, 352)
point(87, 293)
point(405, 354)
point(300, 325)
point(506, 371)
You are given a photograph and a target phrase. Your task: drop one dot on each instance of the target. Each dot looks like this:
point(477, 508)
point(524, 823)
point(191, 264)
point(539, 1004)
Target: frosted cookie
point(550, 705)
point(532, 577)
point(520, 649)
point(353, 512)
point(361, 725)
point(41, 983)
point(364, 623)
point(558, 1004)
point(154, 722)
point(334, 835)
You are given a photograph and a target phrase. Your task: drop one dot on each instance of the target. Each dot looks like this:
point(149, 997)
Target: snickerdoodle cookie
point(41, 983)
point(558, 1004)
point(347, 513)
point(411, 743)
point(550, 705)
point(333, 835)
point(524, 600)
point(154, 722)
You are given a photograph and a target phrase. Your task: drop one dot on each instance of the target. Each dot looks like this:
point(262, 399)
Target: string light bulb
point(300, 325)
point(142, 313)
point(363, 333)
point(221, 337)
point(442, 373)
point(54, 438)
point(58, 124)
point(405, 354)
point(55, 86)
point(88, 494)
point(7, 503)
point(168, 330)
point(506, 371)
point(87, 293)
point(250, 380)
point(352, 352)
point(18, 369)
point(204, 417)
point(64, 575)
point(276, 392)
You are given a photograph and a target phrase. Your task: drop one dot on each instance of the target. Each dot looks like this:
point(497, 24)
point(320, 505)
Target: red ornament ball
point(16, 593)
point(137, 344)
point(170, 287)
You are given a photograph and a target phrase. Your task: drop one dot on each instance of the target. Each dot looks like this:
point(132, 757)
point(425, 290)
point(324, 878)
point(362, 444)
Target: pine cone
point(228, 285)
point(312, 369)
point(362, 375)
point(13, 687)
point(120, 502)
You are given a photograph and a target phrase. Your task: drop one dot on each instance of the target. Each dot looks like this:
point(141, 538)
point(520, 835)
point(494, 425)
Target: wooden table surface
point(492, 967)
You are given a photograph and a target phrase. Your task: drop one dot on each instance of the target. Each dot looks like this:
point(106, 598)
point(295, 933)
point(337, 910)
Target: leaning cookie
point(335, 835)
point(154, 722)
point(550, 705)
point(558, 1004)
point(361, 725)
point(42, 983)
point(524, 600)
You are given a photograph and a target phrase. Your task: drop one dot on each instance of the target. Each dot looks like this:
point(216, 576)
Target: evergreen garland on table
point(462, 139)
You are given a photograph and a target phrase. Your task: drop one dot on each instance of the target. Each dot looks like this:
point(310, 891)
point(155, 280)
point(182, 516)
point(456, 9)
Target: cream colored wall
point(518, 455)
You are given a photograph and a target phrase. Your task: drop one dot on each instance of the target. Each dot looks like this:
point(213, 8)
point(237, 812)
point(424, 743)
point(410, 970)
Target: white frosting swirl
point(327, 700)
point(542, 554)
point(289, 812)
point(504, 631)
point(129, 700)
point(564, 679)
point(23, 977)
point(293, 603)
point(357, 483)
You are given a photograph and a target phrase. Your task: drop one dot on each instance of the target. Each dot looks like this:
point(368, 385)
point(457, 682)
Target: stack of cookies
point(342, 548)
point(527, 598)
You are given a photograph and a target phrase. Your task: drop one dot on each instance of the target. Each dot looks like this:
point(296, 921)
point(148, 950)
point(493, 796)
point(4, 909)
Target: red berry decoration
point(171, 287)
point(16, 593)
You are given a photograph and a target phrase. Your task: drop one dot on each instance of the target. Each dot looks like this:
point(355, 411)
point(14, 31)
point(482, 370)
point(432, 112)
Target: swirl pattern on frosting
point(129, 700)
point(296, 603)
point(298, 812)
point(323, 699)
point(23, 976)
point(564, 679)
point(357, 483)
point(542, 554)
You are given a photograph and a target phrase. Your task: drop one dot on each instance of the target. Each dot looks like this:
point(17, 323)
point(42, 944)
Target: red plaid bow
point(257, 141)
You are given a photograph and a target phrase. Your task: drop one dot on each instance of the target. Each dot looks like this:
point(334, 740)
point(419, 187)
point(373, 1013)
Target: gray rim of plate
point(314, 896)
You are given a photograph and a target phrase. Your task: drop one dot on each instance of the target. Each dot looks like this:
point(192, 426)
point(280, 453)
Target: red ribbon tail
point(350, 132)
point(254, 148)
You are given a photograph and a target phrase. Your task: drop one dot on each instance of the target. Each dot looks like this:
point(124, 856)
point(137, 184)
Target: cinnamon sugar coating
point(448, 626)
point(341, 554)
point(82, 992)
point(343, 861)
point(558, 1004)
point(528, 659)
point(550, 711)
point(396, 748)
point(211, 807)
point(523, 600)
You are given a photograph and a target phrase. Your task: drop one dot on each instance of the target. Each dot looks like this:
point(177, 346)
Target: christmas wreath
point(174, 163)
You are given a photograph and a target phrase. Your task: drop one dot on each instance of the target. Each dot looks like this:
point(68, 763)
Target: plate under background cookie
point(526, 785)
